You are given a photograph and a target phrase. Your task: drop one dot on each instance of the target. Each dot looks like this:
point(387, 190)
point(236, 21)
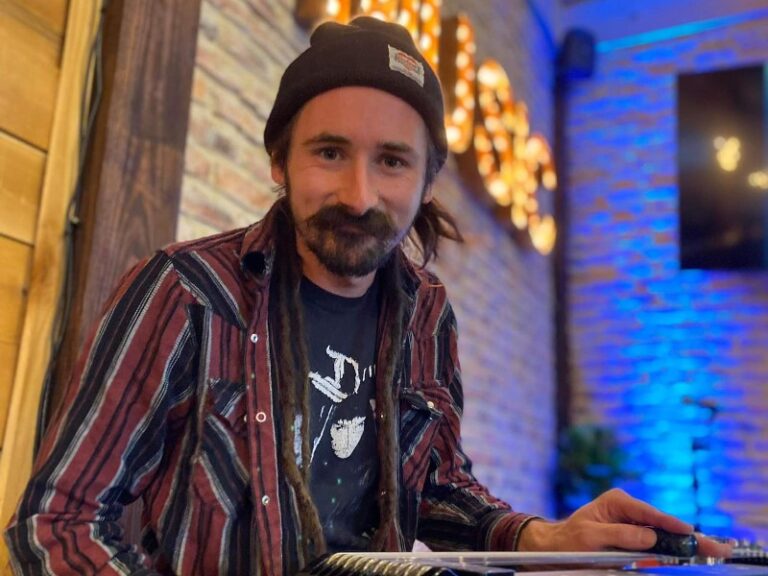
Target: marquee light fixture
point(483, 120)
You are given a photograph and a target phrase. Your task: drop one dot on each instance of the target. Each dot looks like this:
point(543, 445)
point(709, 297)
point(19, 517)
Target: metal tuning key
point(679, 545)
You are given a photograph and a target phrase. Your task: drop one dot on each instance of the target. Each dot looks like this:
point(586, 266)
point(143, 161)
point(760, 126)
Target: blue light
point(647, 335)
point(678, 32)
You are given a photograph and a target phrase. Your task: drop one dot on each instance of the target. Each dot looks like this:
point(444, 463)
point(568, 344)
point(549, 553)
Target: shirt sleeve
point(456, 511)
point(108, 442)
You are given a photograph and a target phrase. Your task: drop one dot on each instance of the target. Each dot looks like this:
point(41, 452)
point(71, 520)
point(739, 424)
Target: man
point(293, 388)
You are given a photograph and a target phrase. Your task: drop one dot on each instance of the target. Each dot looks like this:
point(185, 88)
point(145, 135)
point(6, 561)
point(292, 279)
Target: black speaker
point(576, 58)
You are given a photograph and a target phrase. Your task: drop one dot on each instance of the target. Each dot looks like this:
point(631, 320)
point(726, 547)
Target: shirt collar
point(257, 251)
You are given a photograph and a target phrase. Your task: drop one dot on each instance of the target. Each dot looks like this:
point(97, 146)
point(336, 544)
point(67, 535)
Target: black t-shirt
point(341, 338)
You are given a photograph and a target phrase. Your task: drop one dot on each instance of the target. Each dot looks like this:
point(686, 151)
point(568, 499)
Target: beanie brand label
point(406, 64)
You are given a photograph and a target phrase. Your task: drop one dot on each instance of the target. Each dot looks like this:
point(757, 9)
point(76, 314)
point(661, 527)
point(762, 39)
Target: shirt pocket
point(220, 476)
point(421, 415)
point(220, 465)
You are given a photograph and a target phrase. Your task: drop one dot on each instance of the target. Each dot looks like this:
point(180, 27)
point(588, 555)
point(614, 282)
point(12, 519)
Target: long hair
point(292, 365)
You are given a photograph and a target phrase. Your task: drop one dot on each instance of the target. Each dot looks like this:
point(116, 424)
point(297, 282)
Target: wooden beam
point(135, 165)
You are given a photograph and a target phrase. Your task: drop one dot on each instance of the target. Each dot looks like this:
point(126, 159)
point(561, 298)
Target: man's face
point(355, 176)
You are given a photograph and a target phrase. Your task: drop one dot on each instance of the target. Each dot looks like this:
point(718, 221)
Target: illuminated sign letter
point(509, 160)
point(457, 74)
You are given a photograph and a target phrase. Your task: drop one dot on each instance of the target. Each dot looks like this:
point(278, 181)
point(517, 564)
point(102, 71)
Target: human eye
point(329, 153)
point(394, 162)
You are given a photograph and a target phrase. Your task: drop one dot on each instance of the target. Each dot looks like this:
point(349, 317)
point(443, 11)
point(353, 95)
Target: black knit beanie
point(365, 52)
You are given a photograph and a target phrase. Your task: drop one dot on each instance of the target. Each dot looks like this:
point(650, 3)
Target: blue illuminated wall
point(649, 340)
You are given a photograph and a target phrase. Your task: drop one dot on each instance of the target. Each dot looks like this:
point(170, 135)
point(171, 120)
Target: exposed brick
point(651, 334)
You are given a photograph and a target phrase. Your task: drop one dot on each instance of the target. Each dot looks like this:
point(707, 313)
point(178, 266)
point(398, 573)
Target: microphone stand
point(700, 444)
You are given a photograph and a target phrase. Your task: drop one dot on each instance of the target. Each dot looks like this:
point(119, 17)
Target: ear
point(278, 174)
point(427, 198)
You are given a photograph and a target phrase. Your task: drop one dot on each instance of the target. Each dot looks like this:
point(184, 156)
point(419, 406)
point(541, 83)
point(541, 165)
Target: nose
point(359, 191)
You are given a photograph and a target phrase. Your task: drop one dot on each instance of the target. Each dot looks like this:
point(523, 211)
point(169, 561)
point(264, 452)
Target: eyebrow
point(326, 138)
point(329, 138)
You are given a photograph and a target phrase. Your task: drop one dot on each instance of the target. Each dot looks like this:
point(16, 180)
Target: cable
point(89, 107)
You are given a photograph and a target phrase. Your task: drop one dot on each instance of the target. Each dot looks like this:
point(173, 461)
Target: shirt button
point(431, 405)
point(261, 417)
point(254, 337)
point(265, 500)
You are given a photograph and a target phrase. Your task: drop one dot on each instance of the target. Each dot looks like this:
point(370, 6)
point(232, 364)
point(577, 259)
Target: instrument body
point(532, 563)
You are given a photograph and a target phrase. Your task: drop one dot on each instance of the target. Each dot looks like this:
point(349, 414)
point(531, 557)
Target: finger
point(713, 548)
point(622, 536)
point(625, 508)
point(671, 524)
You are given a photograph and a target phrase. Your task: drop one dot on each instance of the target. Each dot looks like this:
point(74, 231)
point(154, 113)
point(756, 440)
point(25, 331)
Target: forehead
point(362, 114)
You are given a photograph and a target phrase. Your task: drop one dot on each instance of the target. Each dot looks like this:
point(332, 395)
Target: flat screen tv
point(722, 163)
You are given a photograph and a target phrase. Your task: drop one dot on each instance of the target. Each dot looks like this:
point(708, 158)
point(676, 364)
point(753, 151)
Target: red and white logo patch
point(406, 64)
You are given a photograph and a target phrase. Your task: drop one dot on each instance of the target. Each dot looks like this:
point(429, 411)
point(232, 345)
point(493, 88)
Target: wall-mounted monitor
point(722, 163)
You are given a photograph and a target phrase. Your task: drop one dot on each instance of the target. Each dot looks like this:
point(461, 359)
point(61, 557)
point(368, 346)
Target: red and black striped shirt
point(173, 402)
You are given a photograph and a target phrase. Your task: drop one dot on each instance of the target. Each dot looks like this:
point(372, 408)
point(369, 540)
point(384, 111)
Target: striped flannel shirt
point(172, 402)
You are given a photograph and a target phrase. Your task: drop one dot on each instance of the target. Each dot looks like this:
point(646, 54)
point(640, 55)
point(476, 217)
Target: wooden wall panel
point(30, 51)
point(14, 276)
point(21, 176)
point(44, 113)
point(51, 15)
point(8, 354)
point(14, 282)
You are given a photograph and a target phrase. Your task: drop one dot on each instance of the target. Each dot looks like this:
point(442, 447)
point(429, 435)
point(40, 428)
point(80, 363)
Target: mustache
point(339, 217)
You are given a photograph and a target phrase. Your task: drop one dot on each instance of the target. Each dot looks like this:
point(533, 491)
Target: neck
point(346, 286)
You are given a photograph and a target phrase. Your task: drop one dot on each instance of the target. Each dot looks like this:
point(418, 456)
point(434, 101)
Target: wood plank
point(29, 60)
point(14, 278)
point(50, 15)
point(8, 353)
point(47, 263)
point(21, 178)
point(15, 259)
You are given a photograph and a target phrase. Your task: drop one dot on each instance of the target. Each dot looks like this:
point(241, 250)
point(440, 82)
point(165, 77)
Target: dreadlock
point(387, 438)
point(292, 374)
point(432, 222)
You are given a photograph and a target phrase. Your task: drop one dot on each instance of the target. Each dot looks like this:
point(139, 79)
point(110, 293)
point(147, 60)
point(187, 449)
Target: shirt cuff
point(504, 534)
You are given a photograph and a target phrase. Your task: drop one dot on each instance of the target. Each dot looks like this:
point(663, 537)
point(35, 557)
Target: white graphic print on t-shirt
point(345, 432)
point(331, 387)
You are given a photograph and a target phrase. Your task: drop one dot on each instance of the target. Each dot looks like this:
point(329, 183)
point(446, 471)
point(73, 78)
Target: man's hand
point(613, 520)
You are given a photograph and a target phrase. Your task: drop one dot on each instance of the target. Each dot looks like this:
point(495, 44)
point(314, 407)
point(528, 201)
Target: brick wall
point(502, 293)
point(643, 333)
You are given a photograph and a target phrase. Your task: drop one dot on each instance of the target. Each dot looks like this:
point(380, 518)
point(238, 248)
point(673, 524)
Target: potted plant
point(590, 461)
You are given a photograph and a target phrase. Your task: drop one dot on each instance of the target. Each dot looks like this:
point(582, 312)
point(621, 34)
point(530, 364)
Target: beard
point(348, 244)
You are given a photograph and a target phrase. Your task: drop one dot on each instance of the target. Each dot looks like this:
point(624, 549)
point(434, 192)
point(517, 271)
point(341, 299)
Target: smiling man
point(293, 388)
